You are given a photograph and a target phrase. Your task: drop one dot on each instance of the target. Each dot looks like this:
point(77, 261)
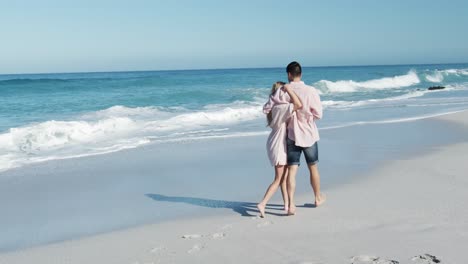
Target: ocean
point(66, 115)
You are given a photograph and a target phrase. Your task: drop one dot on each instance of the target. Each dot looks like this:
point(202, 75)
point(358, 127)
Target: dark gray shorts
point(294, 153)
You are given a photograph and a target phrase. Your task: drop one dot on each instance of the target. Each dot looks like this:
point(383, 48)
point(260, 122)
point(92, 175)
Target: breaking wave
point(409, 79)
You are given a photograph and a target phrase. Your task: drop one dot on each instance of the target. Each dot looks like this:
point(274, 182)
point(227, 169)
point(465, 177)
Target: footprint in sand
point(226, 227)
point(364, 259)
point(307, 262)
point(156, 250)
point(192, 236)
point(425, 259)
point(264, 224)
point(196, 248)
point(219, 235)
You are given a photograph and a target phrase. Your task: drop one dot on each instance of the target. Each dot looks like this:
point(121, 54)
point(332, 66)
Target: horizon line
point(233, 68)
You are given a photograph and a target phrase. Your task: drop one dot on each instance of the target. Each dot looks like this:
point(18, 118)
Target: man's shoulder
point(310, 89)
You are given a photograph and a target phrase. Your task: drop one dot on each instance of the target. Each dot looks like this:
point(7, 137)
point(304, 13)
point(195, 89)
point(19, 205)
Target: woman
point(279, 108)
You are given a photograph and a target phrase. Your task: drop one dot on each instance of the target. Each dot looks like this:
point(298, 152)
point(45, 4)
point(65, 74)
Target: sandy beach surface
point(403, 207)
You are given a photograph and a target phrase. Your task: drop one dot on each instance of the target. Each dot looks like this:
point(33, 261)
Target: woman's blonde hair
point(274, 88)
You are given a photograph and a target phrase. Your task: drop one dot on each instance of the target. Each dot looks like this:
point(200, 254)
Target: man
point(303, 135)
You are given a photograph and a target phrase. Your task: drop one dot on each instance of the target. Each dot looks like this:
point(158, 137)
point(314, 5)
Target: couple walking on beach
point(291, 113)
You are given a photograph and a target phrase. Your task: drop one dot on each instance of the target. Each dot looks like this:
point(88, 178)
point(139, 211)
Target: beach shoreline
point(208, 229)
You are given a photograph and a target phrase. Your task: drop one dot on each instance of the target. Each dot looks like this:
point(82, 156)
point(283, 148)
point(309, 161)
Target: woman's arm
point(268, 106)
point(294, 99)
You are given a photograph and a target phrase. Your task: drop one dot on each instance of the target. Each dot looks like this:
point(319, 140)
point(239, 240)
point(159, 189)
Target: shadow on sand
point(243, 208)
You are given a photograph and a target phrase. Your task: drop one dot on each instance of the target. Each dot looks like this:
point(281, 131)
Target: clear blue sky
point(68, 36)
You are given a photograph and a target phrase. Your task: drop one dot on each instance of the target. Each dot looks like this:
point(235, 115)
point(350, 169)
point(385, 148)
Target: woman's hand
point(294, 99)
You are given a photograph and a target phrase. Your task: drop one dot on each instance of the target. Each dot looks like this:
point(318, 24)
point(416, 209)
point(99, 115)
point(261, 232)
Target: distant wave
point(438, 76)
point(399, 81)
point(457, 71)
point(389, 101)
point(409, 79)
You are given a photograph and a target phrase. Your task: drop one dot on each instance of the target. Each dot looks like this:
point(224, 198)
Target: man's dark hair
point(294, 68)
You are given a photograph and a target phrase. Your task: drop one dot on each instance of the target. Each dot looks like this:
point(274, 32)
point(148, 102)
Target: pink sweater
point(281, 110)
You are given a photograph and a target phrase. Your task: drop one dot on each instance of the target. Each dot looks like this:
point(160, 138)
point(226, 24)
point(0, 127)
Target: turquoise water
point(56, 116)
point(47, 116)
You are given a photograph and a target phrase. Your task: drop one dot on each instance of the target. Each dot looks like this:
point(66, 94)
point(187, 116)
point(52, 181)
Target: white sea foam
point(54, 134)
point(409, 95)
point(409, 79)
point(140, 113)
point(333, 103)
point(225, 116)
point(350, 104)
point(456, 71)
point(438, 76)
point(390, 121)
point(115, 128)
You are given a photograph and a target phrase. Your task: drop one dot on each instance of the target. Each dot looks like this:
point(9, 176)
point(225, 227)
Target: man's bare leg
point(292, 188)
point(315, 182)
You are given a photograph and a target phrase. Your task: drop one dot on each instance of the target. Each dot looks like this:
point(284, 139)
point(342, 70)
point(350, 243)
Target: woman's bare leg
point(284, 189)
point(279, 172)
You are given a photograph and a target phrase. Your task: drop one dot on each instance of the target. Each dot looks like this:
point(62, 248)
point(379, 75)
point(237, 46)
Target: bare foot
point(261, 208)
point(320, 199)
point(292, 210)
point(286, 209)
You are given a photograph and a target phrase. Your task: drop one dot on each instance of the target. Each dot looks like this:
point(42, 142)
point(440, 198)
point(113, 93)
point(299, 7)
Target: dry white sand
point(397, 214)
